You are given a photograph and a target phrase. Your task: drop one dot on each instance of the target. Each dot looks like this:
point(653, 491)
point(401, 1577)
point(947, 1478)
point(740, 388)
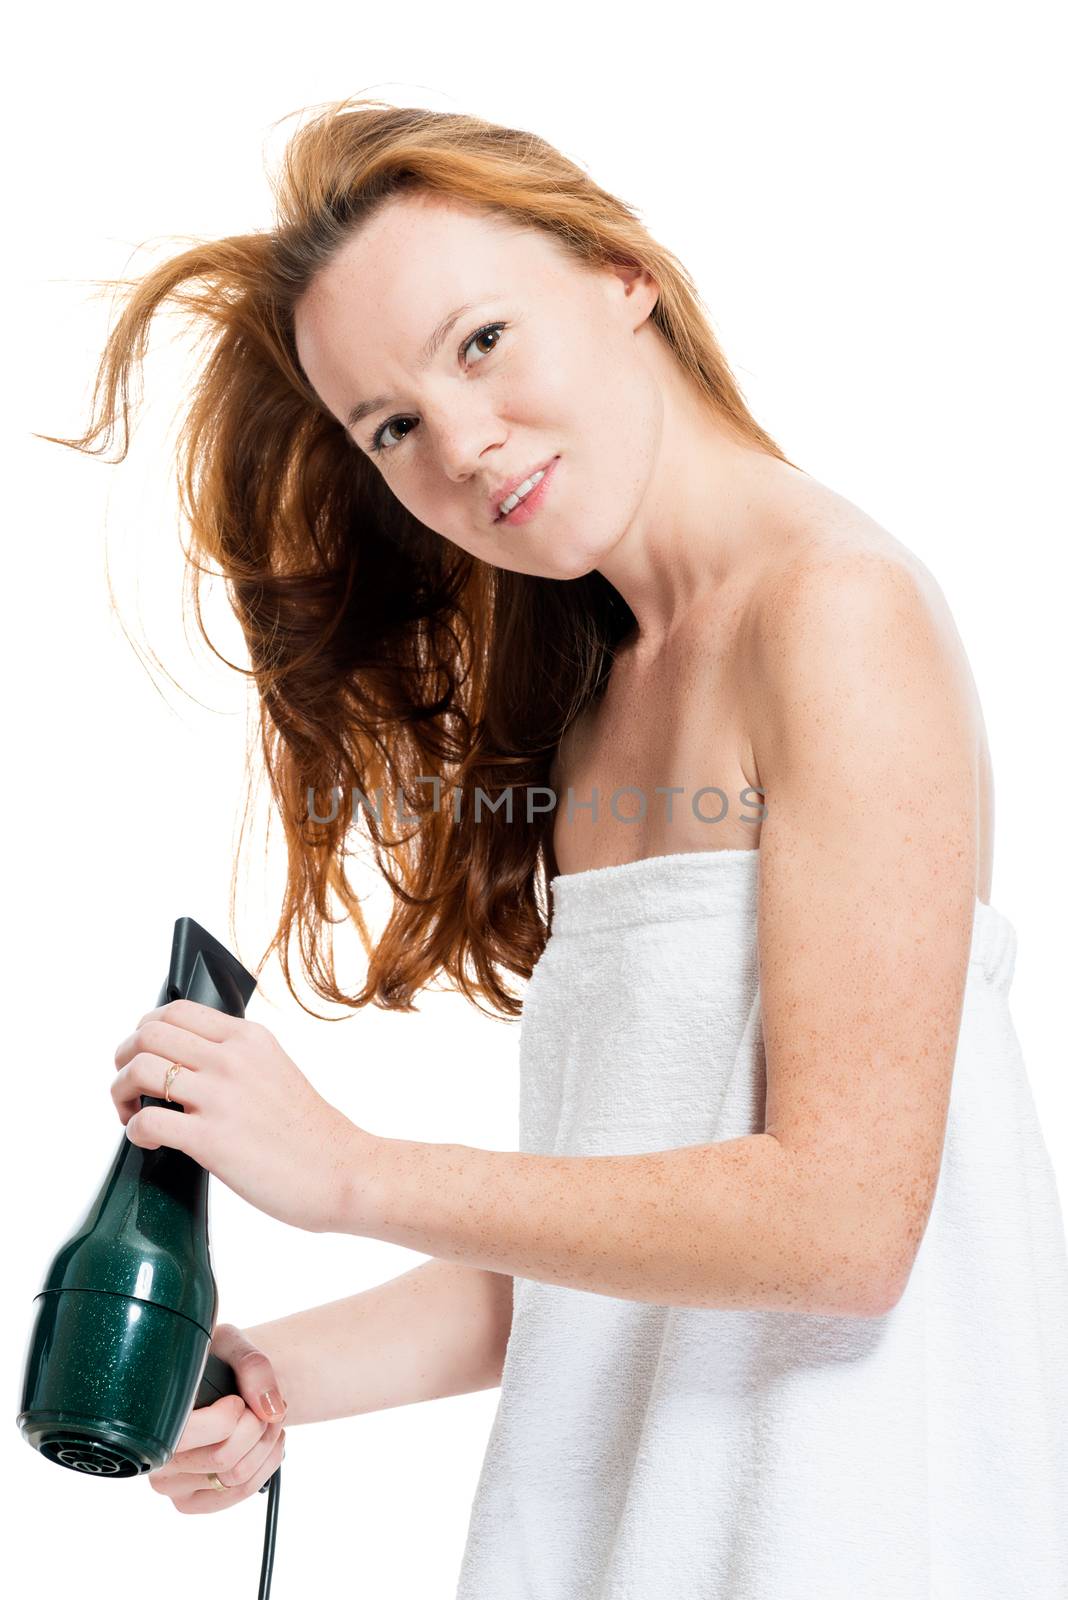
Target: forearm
point(437, 1330)
point(729, 1226)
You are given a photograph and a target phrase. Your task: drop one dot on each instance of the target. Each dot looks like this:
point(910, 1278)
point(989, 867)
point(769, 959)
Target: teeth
point(524, 489)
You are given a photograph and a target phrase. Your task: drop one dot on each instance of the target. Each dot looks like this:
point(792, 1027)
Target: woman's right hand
point(236, 1437)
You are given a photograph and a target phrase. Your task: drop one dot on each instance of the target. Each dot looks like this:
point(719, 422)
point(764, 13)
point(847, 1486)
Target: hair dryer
point(118, 1354)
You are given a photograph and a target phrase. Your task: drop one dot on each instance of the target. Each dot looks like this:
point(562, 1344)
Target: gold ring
point(174, 1067)
point(214, 1481)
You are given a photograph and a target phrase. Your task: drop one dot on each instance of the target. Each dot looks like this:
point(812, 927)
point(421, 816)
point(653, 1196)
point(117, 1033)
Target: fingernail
point(272, 1401)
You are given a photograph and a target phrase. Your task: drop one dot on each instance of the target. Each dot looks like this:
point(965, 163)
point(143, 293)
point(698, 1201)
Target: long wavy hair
point(388, 663)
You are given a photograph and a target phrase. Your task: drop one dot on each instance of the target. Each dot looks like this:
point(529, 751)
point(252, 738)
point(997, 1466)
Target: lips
point(510, 487)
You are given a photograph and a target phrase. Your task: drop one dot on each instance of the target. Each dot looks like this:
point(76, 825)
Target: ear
point(639, 287)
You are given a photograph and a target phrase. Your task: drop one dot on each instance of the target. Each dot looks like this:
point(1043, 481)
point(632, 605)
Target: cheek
point(600, 389)
point(613, 427)
point(568, 381)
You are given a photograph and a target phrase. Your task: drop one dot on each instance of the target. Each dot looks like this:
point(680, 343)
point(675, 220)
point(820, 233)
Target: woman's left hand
point(250, 1115)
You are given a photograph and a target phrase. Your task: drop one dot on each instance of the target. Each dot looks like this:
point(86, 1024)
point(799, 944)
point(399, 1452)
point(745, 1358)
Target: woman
point(776, 1288)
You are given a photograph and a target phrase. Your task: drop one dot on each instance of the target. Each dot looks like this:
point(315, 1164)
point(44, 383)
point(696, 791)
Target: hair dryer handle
point(219, 1379)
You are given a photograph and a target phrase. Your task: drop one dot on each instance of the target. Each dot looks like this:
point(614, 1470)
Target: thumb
point(254, 1375)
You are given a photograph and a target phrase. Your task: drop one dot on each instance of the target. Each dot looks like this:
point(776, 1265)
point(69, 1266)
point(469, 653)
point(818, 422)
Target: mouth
point(525, 508)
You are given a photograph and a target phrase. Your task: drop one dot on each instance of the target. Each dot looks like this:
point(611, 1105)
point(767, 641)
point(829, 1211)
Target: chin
point(577, 567)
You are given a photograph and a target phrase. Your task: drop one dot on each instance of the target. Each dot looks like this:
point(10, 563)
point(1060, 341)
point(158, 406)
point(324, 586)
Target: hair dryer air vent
point(88, 1455)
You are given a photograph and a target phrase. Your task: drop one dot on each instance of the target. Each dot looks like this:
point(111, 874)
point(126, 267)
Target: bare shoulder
point(832, 544)
point(844, 572)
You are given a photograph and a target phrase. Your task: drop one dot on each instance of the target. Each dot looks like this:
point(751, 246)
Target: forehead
point(373, 305)
point(418, 244)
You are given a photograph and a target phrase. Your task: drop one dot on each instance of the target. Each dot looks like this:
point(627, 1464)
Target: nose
point(465, 443)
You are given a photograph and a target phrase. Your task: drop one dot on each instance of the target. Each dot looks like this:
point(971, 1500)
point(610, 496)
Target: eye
point(377, 446)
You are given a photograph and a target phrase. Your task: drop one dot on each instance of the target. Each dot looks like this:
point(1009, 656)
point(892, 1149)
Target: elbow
point(858, 1253)
point(848, 1283)
point(862, 1264)
point(888, 1278)
point(878, 1290)
point(874, 1299)
point(858, 1296)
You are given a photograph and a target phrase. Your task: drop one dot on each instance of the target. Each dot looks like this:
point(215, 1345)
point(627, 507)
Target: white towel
point(645, 1452)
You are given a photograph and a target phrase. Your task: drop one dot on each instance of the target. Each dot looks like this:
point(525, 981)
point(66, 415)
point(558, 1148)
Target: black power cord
point(218, 1379)
point(274, 1484)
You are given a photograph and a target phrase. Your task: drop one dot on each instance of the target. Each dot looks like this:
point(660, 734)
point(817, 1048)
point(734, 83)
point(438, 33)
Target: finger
point(196, 1018)
point(223, 1458)
point(147, 1074)
point(160, 1038)
point(206, 1428)
point(209, 1425)
point(245, 1469)
point(154, 1126)
point(206, 1500)
point(256, 1378)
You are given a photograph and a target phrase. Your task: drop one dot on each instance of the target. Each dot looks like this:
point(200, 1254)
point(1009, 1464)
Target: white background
point(868, 199)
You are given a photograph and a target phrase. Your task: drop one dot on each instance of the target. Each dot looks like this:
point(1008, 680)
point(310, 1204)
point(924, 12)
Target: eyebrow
point(366, 408)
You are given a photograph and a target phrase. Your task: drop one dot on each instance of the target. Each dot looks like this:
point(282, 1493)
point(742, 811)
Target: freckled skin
point(785, 644)
point(863, 957)
point(717, 1225)
point(874, 746)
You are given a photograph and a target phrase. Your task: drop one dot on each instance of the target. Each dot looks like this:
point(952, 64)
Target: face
point(547, 363)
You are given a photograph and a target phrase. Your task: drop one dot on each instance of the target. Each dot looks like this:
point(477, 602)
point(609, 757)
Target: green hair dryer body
point(118, 1355)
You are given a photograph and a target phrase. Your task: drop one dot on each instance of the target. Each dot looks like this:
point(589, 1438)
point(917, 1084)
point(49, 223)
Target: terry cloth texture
point(650, 1452)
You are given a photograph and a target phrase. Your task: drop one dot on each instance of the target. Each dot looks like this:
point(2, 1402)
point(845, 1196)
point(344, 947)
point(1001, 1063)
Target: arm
point(728, 1226)
point(440, 1329)
point(868, 747)
point(867, 867)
